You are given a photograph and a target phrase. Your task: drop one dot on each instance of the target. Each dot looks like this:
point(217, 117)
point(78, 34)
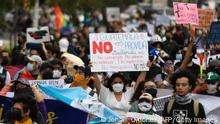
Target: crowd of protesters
point(122, 91)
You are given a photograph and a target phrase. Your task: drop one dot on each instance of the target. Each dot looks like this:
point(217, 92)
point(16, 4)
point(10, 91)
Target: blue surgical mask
point(30, 67)
point(179, 56)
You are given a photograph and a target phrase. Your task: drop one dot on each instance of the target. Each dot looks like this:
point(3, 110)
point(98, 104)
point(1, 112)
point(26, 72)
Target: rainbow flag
point(61, 24)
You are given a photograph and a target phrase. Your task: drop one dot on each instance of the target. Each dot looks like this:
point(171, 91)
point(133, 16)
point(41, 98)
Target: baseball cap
point(35, 58)
point(85, 69)
point(212, 76)
point(146, 96)
point(63, 44)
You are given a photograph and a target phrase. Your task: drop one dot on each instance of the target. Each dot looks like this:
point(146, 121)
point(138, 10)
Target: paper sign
point(113, 14)
point(206, 16)
point(162, 20)
point(186, 13)
point(119, 52)
point(57, 83)
point(38, 35)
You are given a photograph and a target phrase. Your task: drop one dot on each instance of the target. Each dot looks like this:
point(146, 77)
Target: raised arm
point(97, 83)
point(187, 56)
point(39, 97)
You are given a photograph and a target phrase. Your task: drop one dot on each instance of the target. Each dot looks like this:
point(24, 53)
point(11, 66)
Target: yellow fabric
point(29, 121)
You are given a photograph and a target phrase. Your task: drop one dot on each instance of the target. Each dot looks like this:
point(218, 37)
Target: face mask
point(117, 87)
point(16, 114)
point(48, 74)
point(57, 73)
point(179, 56)
point(182, 100)
point(78, 50)
point(152, 91)
point(5, 61)
point(212, 88)
point(78, 78)
point(144, 106)
point(30, 67)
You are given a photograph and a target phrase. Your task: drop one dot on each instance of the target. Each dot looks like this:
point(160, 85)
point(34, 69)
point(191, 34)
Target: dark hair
point(115, 75)
point(56, 62)
point(29, 103)
point(183, 73)
point(138, 91)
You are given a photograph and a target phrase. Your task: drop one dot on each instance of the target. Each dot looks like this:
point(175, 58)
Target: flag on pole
point(60, 23)
point(80, 99)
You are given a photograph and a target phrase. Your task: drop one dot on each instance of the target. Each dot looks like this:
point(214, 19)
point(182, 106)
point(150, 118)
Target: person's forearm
point(187, 56)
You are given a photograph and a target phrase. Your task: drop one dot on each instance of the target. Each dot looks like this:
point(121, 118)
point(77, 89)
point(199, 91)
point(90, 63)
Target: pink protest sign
point(186, 13)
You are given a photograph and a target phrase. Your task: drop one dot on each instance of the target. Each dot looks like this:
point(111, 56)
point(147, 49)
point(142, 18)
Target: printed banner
point(213, 42)
point(38, 35)
point(58, 112)
point(56, 83)
point(119, 52)
point(186, 13)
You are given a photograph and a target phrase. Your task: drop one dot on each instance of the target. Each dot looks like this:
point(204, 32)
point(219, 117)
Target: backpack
point(3, 76)
point(195, 106)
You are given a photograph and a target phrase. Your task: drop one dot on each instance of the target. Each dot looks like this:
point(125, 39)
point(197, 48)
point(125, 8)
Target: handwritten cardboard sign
point(38, 35)
point(119, 52)
point(206, 16)
point(186, 13)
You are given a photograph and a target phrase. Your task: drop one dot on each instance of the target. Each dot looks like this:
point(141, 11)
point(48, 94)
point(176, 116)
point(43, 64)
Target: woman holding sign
point(117, 96)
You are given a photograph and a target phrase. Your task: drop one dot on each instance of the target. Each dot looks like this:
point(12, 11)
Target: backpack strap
point(196, 107)
point(170, 105)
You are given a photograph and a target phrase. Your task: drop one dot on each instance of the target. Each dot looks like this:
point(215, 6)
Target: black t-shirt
point(183, 114)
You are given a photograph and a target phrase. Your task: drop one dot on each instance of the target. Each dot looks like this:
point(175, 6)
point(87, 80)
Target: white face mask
point(117, 87)
point(212, 88)
point(57, 74)
point(144, 106)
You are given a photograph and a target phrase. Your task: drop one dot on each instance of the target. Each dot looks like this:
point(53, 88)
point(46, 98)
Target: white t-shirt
point(120, 107)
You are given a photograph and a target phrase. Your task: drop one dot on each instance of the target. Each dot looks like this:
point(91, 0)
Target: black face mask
point(48, 74)
point(5, 61)
point(152, 91)
point(78, 51)
point(16, 114)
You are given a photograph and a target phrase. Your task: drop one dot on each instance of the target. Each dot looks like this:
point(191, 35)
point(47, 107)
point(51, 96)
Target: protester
point(145, 106)
point(22, 86)
point(212, 81)
point(4, 74)
point(32, 69)
point(116, 95)
point(18, 52)
point(183, 107)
